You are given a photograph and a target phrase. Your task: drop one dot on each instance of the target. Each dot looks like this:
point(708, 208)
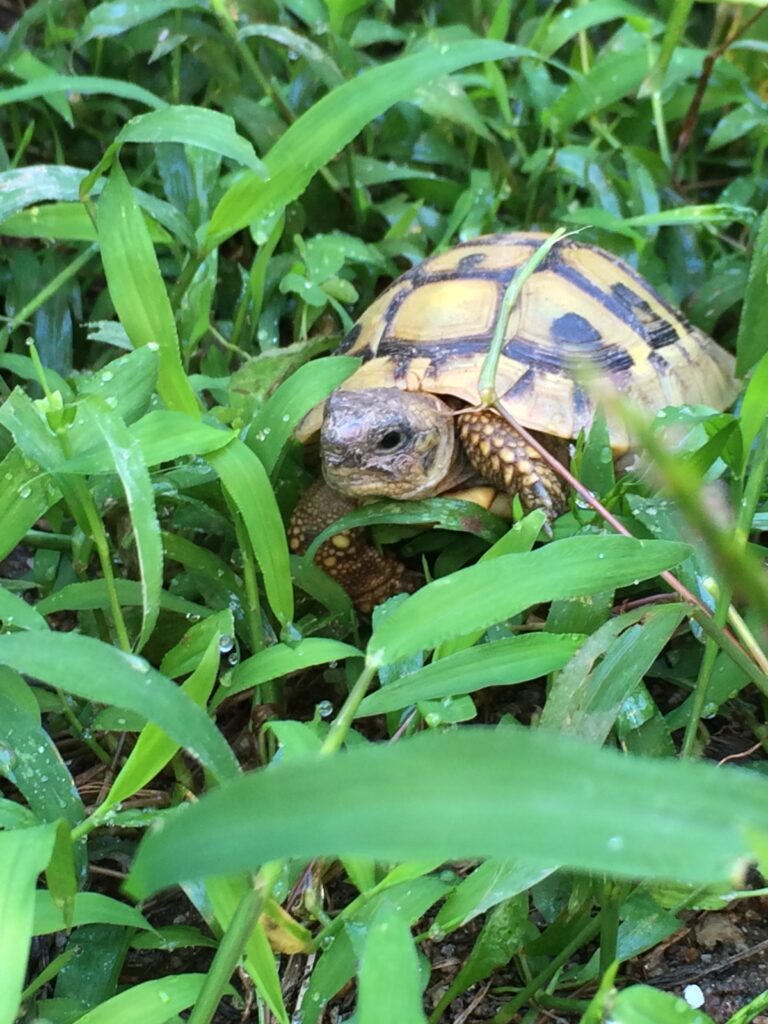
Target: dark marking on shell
point(658, 332)
point(658, 362)
point(501, 275)
point(436, 352)
point(620, 309)
point(561, 360)
point(468, 264)
point(522, 387)
point(573, 329)
point(582, 406)
point(395, 303)
point(352, 335)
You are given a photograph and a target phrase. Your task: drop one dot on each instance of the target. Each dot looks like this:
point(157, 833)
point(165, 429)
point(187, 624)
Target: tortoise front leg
point(367, 575)
point(502, 457)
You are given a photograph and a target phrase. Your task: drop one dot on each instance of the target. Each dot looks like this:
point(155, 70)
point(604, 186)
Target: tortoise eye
point(390, 441)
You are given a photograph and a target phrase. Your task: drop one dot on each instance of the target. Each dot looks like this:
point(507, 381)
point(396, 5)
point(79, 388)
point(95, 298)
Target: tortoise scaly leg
point(367, 575)
point(502, 457)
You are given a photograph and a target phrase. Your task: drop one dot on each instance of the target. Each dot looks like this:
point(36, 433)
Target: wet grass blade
point(98, 672)
point(513, 660)
point(36, 767)
point(318, 135)
point(476, 792)
point(247, 484)
point(484, 594)
point(151, 1002)
point(280, 660)
point(90, 908)
point(154, 748)
point(389, 987)
point(129, 464)
point(24, 853)
point(137, 290)
point(588, 694)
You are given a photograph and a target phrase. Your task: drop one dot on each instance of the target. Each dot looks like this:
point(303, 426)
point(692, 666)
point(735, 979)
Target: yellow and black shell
point(584, 322)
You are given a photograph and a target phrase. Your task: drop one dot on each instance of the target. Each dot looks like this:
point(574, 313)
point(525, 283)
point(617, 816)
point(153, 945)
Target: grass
point(196, 202)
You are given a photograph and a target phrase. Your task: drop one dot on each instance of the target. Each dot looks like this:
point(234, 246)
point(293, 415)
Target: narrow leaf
point(475, 792)
point(96, 671)
point(487, 593)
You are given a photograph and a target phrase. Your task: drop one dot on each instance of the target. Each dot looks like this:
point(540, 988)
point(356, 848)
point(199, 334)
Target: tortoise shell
point(584, 320)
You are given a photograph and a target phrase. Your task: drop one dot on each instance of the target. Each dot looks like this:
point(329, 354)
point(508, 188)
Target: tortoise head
point(387, 443)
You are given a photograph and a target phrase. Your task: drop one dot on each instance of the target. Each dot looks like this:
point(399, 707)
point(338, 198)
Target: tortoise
point(407, 423)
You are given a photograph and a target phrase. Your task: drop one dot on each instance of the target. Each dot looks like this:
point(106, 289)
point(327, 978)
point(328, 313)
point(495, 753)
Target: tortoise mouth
point(388, 443)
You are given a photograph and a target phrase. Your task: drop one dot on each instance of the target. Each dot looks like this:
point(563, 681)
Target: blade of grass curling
point(507, 792)
point(128, 462)
point(86, 85)
point(24, 853)
point(137, 290)
point(94, 670)
point(247, 484)
point(486, 384)
point(192, 126)
point(318, 135)
point(487, 593)
point(274, 424)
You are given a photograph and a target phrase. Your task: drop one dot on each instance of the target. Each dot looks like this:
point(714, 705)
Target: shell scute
point(583, 318)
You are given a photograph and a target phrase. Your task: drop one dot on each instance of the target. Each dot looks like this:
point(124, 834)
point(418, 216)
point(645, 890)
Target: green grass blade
point(476, 792)
point(34, 764)
point(389, 987)
point(640, 1003)
point(186, 125)
point(484, 594)
point(151, 1002)
point(95, 671)
point(137, 290)
point(224, 896)
point(318, 135)
point(26, 493)
point(247, 484)
point(588, 694)
point(751, 343)
point(16, 613)
point(86, 85)
point(113, 18)
point(128, 462)
point(289, 403)
point(280, 660)
point(90, 908)
point(154, 748)
point(24, 853)
point(513, 660)
point(78, 597)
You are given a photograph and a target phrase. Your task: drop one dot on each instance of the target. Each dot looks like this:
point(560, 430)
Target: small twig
point(700, 612)
point(689, 124)
point(742, 754)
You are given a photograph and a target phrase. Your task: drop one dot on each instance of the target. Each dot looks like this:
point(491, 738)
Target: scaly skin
point(367, 575)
